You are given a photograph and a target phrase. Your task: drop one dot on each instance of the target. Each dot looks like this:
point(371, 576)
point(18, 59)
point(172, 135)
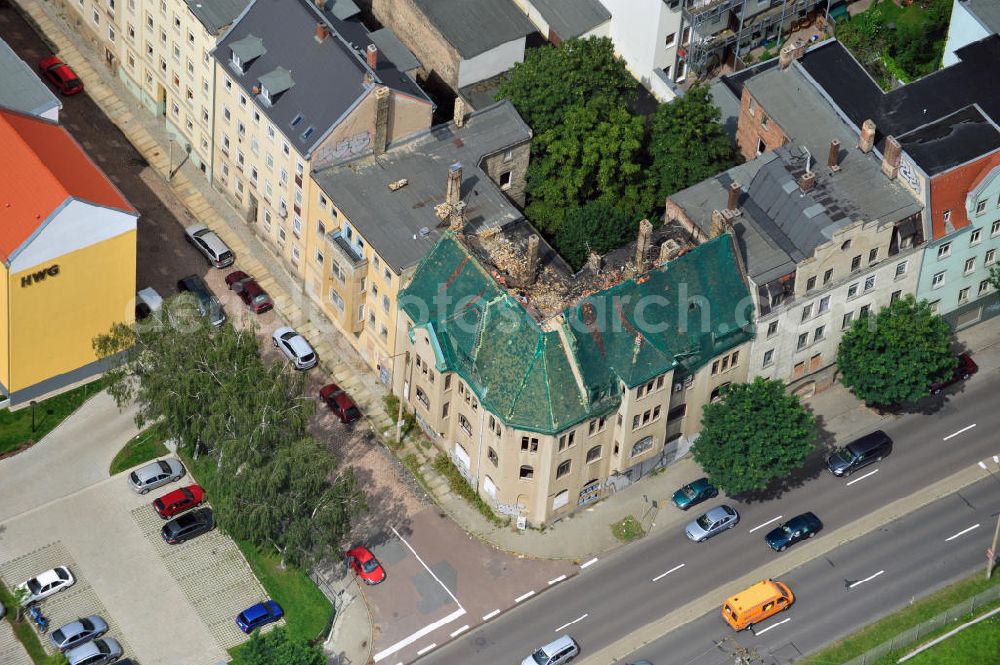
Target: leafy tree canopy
point(687, 142)
point(276, 646)
point(757, 432)
point(553, 79)
point(895, 356)
point(593, 227)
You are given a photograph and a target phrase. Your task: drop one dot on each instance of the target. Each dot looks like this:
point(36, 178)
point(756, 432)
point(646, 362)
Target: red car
point(249, 291)
point(339, 402)
point(61, 76)
point(178, 501)
point(364, 563)
point(966, 367)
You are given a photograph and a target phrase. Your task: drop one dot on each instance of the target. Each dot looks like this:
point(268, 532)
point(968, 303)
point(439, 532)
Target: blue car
point(694, 493)
point(798, 528)
point(258, 615)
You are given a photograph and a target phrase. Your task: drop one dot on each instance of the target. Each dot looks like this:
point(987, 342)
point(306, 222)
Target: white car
point(208, 243)
point(295, 347)
point(45, 584)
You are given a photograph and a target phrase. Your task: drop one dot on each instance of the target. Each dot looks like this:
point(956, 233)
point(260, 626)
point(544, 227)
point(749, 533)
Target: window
point(980, 207)
point(963, 296)
point(896, 295)
point(970, 265)
point(768, 358)
point(828, 276)
point(935, 306)
point(529, 445)
point(761, 146)
point(900, 269)
point(806, 312)
point(947, 216)
point(505, 180)
point(563, 468)
point(846, 323)
point(824, 304)
point(463, 422)
point(527, 473)
point(753, 106)
point(810, 283)
point(991, 257)
point(567, 440)
point(938, 280)
point(984, 286)
point(975, 236)
point(422, 398)
point(594, 454)
point(385, 303)
point(772, 329)
point(444, 409)
point(492, 456)
point(819, 333)
point(636, 421)
point(865, 310)
point(803, 340)
point(319, 257)
point(869, 283)
point(944, 250)
point(321, 228)
point(297, 227)
point(447, 382)
point(642, 445)
point(846, 245)
point(855, 263)
point(872, 255)
point(995, 229)
point(715, 368)
point(676, 412)
point(671, 38)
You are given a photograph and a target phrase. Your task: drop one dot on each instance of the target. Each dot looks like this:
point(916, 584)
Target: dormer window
point(274, 84)
point(244, 51)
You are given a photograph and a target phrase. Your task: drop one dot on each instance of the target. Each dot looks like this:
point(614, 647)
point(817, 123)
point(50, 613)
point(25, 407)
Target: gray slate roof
point(572, 18)
point(476, 26)
point(341, 9)
point(20, 87)
point(987, 11)
point(216, 14)
point(328, 76)
point(401, 226)
point(390, 47)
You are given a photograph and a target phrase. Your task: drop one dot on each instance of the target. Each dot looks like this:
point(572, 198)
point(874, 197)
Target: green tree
point(554, 79)
point(593, 227)
point(995, 277)
point(687, 143)
point(596, 154)
point(757, 432)
point(895, 356)
point(276, 647)
point(864, 35)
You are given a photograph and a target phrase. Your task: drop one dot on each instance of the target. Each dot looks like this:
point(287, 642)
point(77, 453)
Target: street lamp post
point(992, 552)
point(33, 403)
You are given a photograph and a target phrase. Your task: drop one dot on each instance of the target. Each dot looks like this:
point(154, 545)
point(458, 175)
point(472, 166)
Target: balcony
point(342, 245)
point(702, 10)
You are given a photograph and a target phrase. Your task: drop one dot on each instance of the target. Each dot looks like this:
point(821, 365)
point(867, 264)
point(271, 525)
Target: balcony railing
point(346, 249)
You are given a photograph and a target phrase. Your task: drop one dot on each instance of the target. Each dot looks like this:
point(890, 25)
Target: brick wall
point(405, 19)
point(755, 125)
point(496, 165)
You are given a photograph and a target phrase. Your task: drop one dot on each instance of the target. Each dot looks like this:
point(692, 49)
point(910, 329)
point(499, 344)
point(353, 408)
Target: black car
point(859, 453)
point(188, 526)
point(798, 528)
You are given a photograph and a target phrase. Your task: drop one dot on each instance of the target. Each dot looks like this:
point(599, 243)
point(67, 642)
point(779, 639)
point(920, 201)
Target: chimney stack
point(666, 250)
point(790, 53)
point(719, 225)
point(833, 158)
point(454, 192)
point(381, 139)
point(531, 260)
point(371, 53)
point(890, 157)
point(642, 244)
point(322, 32)
point(320, 4)
point(807, 181)
point(594, 263)
point(734, 196)
point(866, 139)
point(456, 217)
point(459, 112)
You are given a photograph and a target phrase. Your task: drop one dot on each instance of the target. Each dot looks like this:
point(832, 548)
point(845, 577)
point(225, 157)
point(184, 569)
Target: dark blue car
point(258, 615)
point(694, 493)
point(798, 528)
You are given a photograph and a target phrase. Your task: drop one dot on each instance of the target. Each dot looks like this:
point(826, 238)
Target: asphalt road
point(665, 571)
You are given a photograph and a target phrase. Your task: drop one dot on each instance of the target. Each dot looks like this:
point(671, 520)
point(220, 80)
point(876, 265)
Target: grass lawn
point(15, 426)
point(977, 644)
point(145, 446)
point(892, 625)
point(893, 13)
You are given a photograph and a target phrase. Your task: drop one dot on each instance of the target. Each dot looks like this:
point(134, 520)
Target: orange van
point(764, 599)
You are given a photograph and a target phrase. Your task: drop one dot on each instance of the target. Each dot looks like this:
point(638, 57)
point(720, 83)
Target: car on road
point(339, 402)
point(259, 615)
point(208, 243)
point(365, 565)
point(61, 75)
point(694, 493)
point(861, 452)
point(965, 368)
point(798, 528)
point(208, 305)
point(188, 526)
point(45, 584)
point(757, 603)
point(295, 347)
point(713, 522)
point(156, 474)
point(561, 650)
point(176, 502)
point(249, 291)
point(77, 632)
point(98, 652)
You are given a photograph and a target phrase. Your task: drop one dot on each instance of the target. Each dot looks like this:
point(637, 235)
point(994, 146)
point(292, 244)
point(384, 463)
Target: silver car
point(210, 244)
point(45, 584)
point(716, 520)
point(295, 347)
point(77, 632)
point(156, 474)
point(98, 652)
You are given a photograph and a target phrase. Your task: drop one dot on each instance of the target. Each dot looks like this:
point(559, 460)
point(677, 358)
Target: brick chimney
point(322, 32)
point(807, 181)
point(320, 4)
point(531, 260)
point(381, 139)
point(456, 217)
point(459, 112)
point(371, 53)
point(833, 158)
point(734, 196)
point(719, 224)
point(890, 157)
point(866, 139)
point(666, 249)
point(454, 191)
point(642, 244)
point(790, 53)
point(594, 263)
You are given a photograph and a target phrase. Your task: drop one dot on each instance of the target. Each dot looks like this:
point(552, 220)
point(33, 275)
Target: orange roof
point(41, 166)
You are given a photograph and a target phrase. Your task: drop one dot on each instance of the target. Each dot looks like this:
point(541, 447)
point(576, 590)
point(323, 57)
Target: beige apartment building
point(549, 389)
point(298, 89)
point(99, 22)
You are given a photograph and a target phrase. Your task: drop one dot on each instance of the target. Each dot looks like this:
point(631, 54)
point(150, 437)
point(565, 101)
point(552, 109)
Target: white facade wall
point(639, 30)
point(964, 29)
point(489, 64)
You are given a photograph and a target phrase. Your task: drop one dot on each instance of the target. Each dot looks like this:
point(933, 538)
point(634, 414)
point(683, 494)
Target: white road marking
point(870, 473)
point(571, 623)
point(426, 649)
point(996, 459)
point(961, 533)
point(558, 579)
point(774, 625)
point(867, 579)
point(491, 615)
point(662, 575)
point(766, 523)
point(525, 596)
point(460, 630)
point(982, 465)
point(964, 429)
point(407, 641)
point(588, 563)
point(427, 568)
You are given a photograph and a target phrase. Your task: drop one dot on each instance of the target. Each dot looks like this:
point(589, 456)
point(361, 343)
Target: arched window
point(563, 468)
point(527, 472)
point(560, 500)
point(492, 455)
point(594, 454)
point(642, 445)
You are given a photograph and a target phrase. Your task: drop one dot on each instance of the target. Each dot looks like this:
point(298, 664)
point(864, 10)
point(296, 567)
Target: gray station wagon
point(156, 474)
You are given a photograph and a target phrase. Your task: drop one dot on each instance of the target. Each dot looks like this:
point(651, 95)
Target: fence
point(931, 625)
